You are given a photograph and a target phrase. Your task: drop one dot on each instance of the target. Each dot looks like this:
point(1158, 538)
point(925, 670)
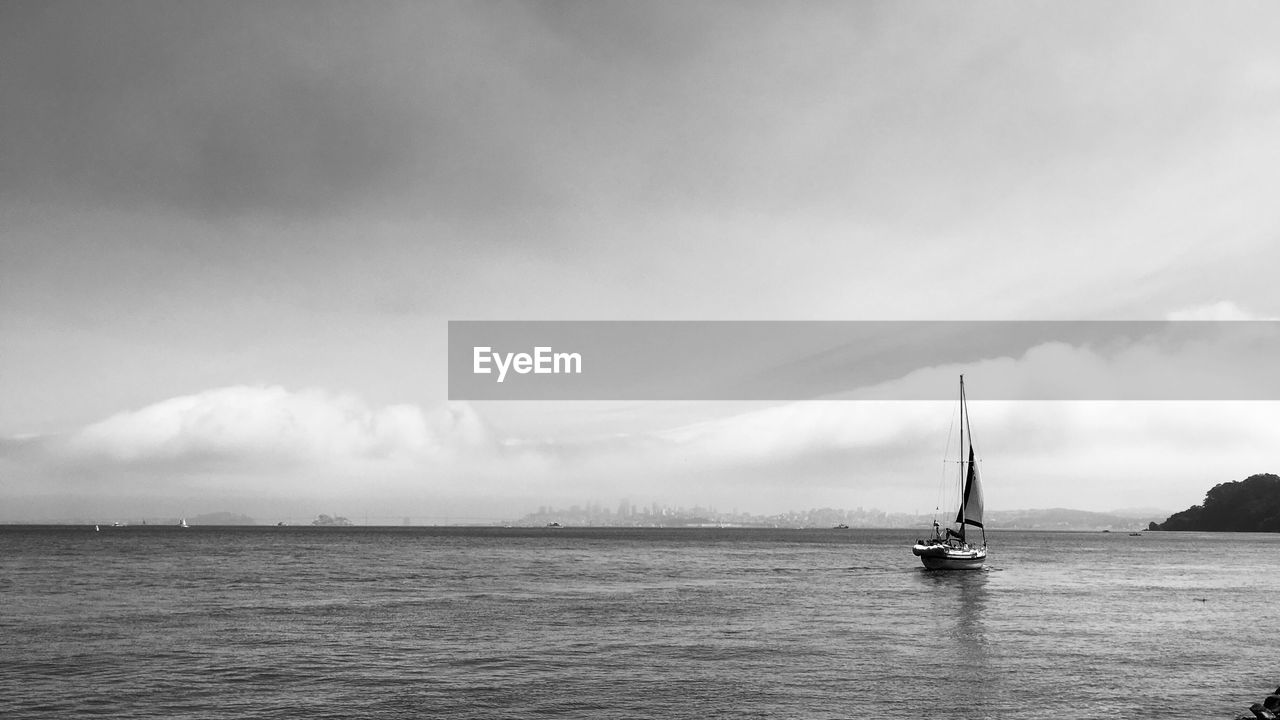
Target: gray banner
point(882, 360)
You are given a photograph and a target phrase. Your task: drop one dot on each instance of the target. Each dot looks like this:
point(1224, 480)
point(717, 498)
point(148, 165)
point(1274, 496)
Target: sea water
point(272, 622)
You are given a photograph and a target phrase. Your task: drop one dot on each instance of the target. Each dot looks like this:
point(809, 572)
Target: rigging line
point(942, 494)
point(951, 428)
point(944, 489)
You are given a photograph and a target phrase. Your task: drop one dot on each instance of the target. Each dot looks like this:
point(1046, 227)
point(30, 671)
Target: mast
point(973, 462)
point(965, 477)
point(961, 516)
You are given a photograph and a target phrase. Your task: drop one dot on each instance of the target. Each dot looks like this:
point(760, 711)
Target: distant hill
point(1249, 505)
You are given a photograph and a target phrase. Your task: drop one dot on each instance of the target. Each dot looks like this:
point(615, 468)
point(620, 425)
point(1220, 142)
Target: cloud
point(1126, 441)
point(1121, 361)
point(269, 450)
point(248, 109)
point(1221, 310)
point(469, 109)
point(315, 445)
point(266, 451)
point(1096, 455)
point(247, 427)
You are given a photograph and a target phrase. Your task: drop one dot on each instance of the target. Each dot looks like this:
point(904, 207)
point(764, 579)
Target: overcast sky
point(232, 233)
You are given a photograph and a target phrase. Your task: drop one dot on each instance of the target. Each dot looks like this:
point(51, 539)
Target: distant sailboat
point(183, 523)
point(949, 548)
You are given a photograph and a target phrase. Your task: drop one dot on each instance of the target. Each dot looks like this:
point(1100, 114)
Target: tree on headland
point(1249, 505)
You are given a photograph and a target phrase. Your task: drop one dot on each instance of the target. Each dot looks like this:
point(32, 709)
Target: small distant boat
point(183, 523)
point(949, 548)
point(97, 529)
point(841, 526)
point(554, 525)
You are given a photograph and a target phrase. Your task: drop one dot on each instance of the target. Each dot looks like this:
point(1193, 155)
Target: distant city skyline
point(659, 515)
point(232, 236)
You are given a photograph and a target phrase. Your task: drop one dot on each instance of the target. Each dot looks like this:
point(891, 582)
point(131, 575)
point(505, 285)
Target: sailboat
point(183, 523)
point(950, 548)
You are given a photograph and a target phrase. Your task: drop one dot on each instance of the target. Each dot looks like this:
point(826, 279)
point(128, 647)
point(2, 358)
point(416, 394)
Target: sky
point(232, 236)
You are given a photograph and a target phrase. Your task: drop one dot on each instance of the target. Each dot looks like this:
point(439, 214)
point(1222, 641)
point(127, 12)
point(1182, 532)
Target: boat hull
point(945, 557)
